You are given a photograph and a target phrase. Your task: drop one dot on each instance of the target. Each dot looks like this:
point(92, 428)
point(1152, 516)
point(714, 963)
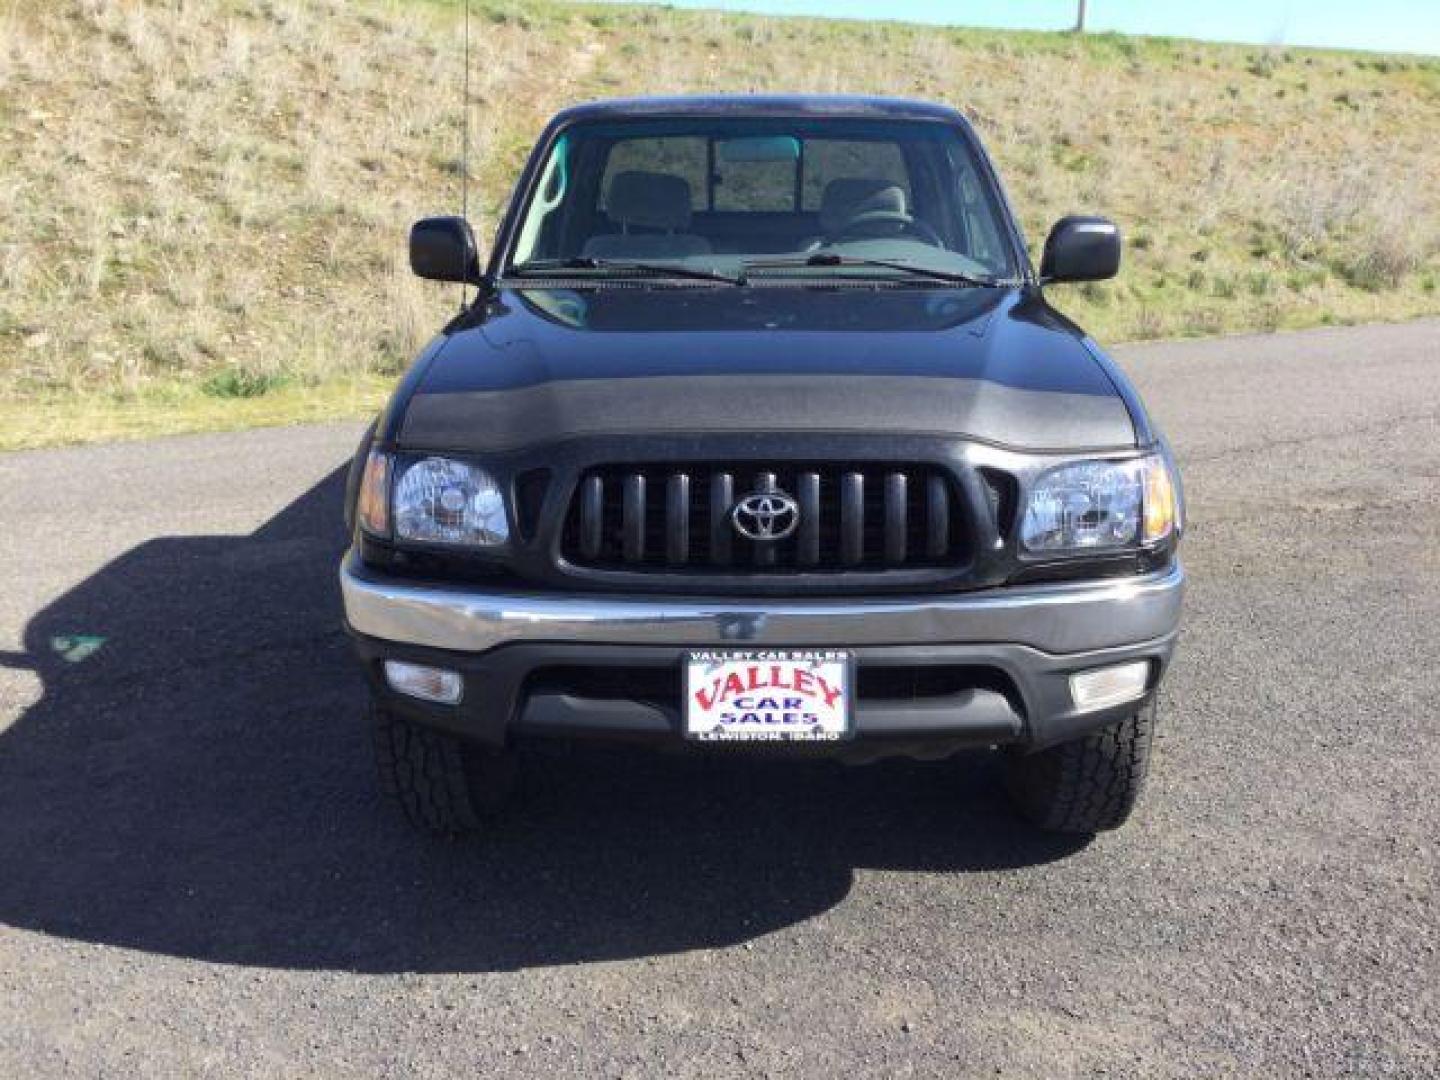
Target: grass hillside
point(203, 203)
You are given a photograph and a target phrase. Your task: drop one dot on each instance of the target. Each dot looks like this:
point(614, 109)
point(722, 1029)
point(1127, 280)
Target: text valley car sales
point(798, 695)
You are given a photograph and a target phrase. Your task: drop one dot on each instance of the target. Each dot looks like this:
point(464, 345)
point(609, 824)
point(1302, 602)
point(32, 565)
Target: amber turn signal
point(1160, 508)
point(373, 505)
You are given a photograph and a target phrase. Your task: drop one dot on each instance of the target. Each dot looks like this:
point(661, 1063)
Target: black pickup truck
point(760, 434)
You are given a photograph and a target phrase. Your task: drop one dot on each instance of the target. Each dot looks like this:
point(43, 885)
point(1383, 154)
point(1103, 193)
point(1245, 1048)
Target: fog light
point(1109, 685)
point(425, 683)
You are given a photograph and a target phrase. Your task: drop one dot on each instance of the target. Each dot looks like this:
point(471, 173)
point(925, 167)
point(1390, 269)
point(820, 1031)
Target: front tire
point(445, 786)
point(1088, 784)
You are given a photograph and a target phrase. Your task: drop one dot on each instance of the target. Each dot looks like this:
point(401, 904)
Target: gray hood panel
point(501, 420)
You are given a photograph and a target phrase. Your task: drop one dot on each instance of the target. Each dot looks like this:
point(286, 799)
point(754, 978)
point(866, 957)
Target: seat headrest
point(847, 196)
point(650, 200)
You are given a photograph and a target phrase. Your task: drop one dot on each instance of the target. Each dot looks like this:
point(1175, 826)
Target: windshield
point(750, 196)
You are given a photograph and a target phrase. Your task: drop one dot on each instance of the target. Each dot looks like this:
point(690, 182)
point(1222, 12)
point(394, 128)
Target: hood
point(539, 365)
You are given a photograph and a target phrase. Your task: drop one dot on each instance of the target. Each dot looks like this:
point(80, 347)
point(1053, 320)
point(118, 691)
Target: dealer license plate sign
point(768, 695)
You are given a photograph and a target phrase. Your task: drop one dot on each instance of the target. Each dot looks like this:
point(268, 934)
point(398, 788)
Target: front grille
point(851, 517)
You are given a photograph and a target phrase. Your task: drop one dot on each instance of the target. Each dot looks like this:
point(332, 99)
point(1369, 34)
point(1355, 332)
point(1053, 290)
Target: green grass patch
point(173, 408)
point(242, 383)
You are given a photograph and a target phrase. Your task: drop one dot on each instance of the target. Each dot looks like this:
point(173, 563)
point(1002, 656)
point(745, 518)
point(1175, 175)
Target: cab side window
point(979, 222)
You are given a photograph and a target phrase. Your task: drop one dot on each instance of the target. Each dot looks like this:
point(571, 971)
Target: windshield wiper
point(590, 262)
point(826, 258)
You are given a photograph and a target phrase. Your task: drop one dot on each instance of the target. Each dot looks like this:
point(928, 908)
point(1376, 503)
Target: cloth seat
point(846, 197)
point(657, 202)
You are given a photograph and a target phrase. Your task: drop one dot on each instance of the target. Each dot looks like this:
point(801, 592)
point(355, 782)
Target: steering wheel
point(858, 227)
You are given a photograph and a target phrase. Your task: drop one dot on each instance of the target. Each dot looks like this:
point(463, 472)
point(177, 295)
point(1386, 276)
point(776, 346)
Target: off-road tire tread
point(424, 770)
point(1088, 784)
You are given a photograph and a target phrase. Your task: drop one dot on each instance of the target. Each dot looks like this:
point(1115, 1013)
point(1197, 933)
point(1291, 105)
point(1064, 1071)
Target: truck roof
point(808, 105)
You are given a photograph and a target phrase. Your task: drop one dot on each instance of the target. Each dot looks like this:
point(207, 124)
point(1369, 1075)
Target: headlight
point(449, 502)
point(1099, 506)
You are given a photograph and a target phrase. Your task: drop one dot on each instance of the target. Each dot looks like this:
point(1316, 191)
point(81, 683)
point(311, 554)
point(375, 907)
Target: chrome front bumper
point(1057, 619)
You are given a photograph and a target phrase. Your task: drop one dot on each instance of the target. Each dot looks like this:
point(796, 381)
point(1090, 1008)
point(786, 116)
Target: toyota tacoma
point(759, 433)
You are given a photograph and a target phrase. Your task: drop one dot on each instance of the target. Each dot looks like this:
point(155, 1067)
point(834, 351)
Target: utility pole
point(1080, 19)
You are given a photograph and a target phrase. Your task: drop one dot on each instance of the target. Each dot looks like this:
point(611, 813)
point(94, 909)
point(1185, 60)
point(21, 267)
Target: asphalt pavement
point(198, 876)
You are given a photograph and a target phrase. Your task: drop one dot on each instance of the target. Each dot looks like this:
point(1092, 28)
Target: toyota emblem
point(765, 515)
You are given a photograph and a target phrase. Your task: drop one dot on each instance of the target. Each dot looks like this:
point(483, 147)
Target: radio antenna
point(465, 140)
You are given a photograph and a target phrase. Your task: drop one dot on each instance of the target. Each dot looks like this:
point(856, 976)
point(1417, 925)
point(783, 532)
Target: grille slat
point(853, 518)
point(677, 519)
point(807, 540)
point(632, 519)
point(722, 497)
point(897, 513)
point(592, 515)
point(937, 516)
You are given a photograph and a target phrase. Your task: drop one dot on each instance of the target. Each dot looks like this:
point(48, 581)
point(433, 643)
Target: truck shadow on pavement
point(196, 781)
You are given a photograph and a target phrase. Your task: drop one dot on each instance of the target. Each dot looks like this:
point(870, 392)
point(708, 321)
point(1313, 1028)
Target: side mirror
point(1081, 249)
point(443, 249)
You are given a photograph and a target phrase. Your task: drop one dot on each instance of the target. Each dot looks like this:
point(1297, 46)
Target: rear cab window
point(835, 159)
point(757, 186)
point(681, 155)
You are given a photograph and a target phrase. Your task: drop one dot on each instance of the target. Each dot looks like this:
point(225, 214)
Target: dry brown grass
point(215, 193)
